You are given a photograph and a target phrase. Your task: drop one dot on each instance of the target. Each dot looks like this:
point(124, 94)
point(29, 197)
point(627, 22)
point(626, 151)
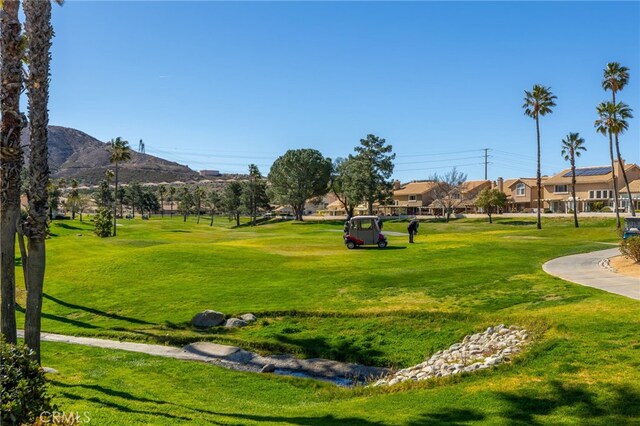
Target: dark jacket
point(413, 226)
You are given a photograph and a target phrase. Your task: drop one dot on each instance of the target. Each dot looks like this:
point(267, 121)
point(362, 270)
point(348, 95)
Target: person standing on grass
point(413, 228)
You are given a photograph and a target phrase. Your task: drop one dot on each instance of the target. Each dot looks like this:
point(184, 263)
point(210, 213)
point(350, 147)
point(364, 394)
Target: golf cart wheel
point(382, 244)
point(351, 245)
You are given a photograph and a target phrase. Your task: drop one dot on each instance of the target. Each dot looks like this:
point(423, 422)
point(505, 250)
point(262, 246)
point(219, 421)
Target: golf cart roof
point(364, 217)
point(632, 220)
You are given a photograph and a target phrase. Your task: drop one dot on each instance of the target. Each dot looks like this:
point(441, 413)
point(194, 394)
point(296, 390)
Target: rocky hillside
point(75, 154)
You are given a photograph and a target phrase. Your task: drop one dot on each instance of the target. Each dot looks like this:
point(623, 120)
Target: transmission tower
point(141, 146)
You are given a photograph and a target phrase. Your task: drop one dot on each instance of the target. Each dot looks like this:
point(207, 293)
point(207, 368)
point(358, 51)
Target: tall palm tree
point(538, 102)
point(198, 195)
point(120, 152)
point(611, 121)
point(571, 147)
point(39, 33)
point(614, 79)
point(10, 160)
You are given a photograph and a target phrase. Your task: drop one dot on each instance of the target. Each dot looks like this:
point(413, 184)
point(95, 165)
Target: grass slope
point(390, 307)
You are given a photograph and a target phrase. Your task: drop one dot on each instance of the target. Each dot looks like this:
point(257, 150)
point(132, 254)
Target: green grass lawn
point(313, 297)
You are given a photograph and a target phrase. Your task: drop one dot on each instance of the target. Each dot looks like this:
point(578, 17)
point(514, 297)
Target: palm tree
point(613, 121)
point(615, 78)
point(10, 160)
point(162, 190)
point(120, 152)
point(538, 102)
point(571, 147)
point(39, 33)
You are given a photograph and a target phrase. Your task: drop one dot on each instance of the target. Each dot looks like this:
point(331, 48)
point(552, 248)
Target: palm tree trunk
point(538, 177)
point(615, 184)
point(10, 162)
point(115, 203)
point(573, 190)
point(39, 33)
point(624, 173)
point(161, 207)
point(211, 223)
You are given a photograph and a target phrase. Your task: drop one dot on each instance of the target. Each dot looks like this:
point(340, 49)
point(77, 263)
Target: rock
point(235, 322)
point(268, 368)
point(49, 370)
point(207, 318)
point(248, 317)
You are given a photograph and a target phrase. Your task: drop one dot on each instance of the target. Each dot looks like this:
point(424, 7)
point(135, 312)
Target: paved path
point(234, 358)
point(586, 269)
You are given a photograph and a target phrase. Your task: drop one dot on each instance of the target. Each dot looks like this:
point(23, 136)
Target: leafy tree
point(488, 199)
point(254, 194)
point(344, 183)
point(615, 78)
point(53, 192)
point(213, 201)
point(134, 197)
point(82, 203)
point(612, 120)
point(374, 167)
point(38, 34)
point(73, 199)
point(232, 200)
point(198, 198)
point(446, 191)
point(11, 163)
point(571, 147)
point(103, 222)
point(186, 203)
point(162, 191)
point(120, 152)
point(149, 202)
point(299, 175)
point(538, 102)
point(172, 195)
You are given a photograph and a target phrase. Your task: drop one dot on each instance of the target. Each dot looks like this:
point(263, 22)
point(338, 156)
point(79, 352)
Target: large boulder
point(235, 322)
point(207, 318)
point(248, 317)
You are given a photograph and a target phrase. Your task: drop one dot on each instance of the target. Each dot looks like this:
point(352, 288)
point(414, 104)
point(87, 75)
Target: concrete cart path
point(586, 269)
point(234, 358)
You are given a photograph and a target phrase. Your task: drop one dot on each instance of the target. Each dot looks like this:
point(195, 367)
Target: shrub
point(606, 210)
point(103, 221)
point(597, 206)
point(22, 381)
point(631, 248)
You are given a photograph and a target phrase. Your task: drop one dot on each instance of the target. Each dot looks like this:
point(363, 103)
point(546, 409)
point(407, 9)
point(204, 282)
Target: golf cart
point(631, 227)
point(363, 230)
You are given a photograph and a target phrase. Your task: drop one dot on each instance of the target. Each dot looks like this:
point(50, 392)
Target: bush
point(631, 248)
point(606, 210)
point(23, 386)
point(103, 221)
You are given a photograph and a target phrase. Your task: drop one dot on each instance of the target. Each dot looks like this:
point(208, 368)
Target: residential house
point(412, 198)
point(594, 189)
point(522, 193)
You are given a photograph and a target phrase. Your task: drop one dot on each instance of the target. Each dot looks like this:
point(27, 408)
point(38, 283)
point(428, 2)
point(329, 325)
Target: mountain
point(75, 154)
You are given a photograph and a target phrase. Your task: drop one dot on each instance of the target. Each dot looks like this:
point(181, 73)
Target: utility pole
point(486, 161)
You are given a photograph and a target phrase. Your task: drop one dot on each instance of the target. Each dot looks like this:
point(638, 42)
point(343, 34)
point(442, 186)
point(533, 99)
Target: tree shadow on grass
point(513, 222)
point(96, 311)
point(448, 417)
point(75, 323)
point(526, 409)
point(67, 226)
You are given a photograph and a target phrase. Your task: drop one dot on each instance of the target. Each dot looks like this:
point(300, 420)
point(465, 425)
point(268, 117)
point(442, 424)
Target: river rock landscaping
point(476, 352)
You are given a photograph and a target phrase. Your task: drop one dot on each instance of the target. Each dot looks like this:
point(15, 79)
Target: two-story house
point(594, 189)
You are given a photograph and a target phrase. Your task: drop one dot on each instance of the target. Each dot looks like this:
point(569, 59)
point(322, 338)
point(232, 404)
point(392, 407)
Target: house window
point(601, 194)
point(560, 188)
point(520, 189)
point(412, 198)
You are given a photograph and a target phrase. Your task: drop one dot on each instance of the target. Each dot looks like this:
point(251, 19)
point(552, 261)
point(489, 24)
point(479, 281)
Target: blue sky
point(220, 85)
